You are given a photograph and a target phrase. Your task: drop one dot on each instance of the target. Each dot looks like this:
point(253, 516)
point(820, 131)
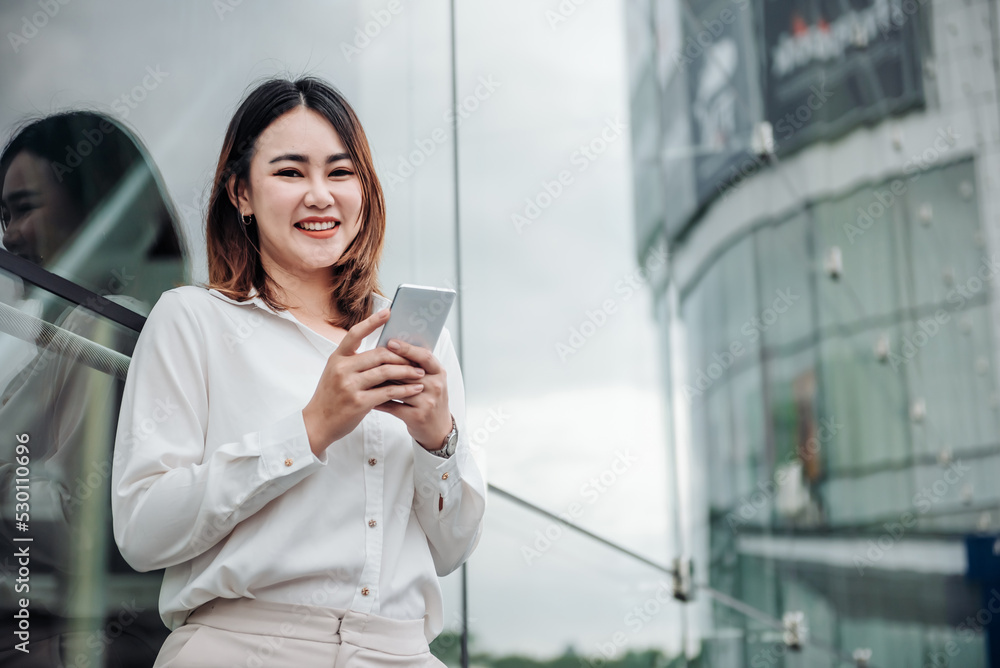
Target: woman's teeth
point(317, 227)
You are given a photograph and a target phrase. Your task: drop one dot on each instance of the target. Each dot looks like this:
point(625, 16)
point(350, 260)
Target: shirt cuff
point(284, 447)
point(430, 470)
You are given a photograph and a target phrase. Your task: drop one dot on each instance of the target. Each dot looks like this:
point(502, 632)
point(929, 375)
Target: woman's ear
point(237, 194)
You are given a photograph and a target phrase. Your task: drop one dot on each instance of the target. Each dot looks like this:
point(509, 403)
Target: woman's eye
point(336, 172)
point(22, 209)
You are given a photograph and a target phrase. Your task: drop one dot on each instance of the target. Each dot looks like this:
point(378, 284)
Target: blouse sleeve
point(171, 500)
point(450, 494)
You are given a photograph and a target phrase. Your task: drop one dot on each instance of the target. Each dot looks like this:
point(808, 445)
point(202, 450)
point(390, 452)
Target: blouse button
point(288, 462)
point(372, 523)
point(372, 462)
point(445, 476)
point(364, 591)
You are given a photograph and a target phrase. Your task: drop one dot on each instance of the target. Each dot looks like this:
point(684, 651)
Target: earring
point(248, 220)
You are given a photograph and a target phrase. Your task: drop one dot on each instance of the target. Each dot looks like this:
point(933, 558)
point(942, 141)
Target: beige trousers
point(247, 633)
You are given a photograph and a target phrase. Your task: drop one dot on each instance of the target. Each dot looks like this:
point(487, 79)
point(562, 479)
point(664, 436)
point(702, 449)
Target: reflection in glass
point(81, 200)
point(879, 409)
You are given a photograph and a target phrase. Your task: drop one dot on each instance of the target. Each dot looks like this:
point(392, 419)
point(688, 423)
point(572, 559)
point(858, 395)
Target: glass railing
point(65, 590)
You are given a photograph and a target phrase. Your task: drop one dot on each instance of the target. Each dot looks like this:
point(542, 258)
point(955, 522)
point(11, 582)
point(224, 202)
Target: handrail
point(70, 291)
point(722, 598)
point(72, 346)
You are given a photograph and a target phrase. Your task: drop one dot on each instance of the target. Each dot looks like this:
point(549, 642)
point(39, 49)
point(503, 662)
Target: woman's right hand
point(353, 383)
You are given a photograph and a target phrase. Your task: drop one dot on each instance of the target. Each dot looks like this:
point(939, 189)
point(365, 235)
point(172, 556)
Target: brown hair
point(234, 265)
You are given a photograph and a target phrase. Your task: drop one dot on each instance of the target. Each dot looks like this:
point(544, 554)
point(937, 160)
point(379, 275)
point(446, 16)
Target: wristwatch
point(450, 442)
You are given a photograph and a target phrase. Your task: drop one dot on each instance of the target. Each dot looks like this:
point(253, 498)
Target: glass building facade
point(824, 175)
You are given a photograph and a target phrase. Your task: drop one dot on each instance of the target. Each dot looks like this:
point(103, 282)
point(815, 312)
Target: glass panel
point(946, 247)
point(64, 367)
point(783, 260)
point(866, 284)
point(749, 458)
point(526, 602)
point(447, 646)
point(82, 198)
point(742, 312)
point(948, 361)
point(724, 323)
point(798, 467)
point(557, 307)
point(866, 399)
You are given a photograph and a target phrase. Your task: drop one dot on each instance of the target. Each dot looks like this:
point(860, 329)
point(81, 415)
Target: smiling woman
point(298, 249)
point(298, 157)
point(309, 487)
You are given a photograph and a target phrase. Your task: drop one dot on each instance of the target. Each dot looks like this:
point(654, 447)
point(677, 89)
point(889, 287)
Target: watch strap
point(450, 442)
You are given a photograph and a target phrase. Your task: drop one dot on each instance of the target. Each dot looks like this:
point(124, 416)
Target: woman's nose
point(318, 194)
point(11, 235)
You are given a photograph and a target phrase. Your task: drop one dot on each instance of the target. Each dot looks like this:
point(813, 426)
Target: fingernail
point(394, 345)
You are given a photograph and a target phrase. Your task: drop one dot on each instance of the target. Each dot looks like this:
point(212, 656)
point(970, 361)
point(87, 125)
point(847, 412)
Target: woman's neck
point(310, 295)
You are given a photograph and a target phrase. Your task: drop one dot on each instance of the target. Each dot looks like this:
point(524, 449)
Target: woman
point(302, 488)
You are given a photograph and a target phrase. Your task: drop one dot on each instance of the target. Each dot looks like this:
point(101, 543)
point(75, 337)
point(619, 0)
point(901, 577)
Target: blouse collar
point(378, 301)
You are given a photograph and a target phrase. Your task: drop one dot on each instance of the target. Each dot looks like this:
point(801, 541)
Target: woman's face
point(302, 171)
point(42, 213)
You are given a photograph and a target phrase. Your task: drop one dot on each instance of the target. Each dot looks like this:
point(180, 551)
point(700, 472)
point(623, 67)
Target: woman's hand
point(352, 384)
point(425, 413)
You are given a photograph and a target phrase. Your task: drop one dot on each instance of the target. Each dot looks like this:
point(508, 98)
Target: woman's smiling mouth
point(318, 228)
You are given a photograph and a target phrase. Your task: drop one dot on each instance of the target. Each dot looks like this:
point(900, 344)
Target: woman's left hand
point(426, 413)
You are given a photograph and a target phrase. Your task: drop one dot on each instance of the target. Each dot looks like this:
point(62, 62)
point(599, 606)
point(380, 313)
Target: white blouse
point(213, 478)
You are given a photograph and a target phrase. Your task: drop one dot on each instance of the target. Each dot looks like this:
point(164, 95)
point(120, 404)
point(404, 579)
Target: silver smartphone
point(417, 315)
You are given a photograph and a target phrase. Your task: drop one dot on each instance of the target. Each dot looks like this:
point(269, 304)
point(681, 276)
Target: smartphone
point(417, 315)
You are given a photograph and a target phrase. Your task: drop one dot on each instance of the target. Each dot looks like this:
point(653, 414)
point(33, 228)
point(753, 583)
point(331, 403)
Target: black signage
point(831, 65)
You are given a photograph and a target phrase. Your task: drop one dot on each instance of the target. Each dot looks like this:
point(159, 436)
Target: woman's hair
point(234, 264)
